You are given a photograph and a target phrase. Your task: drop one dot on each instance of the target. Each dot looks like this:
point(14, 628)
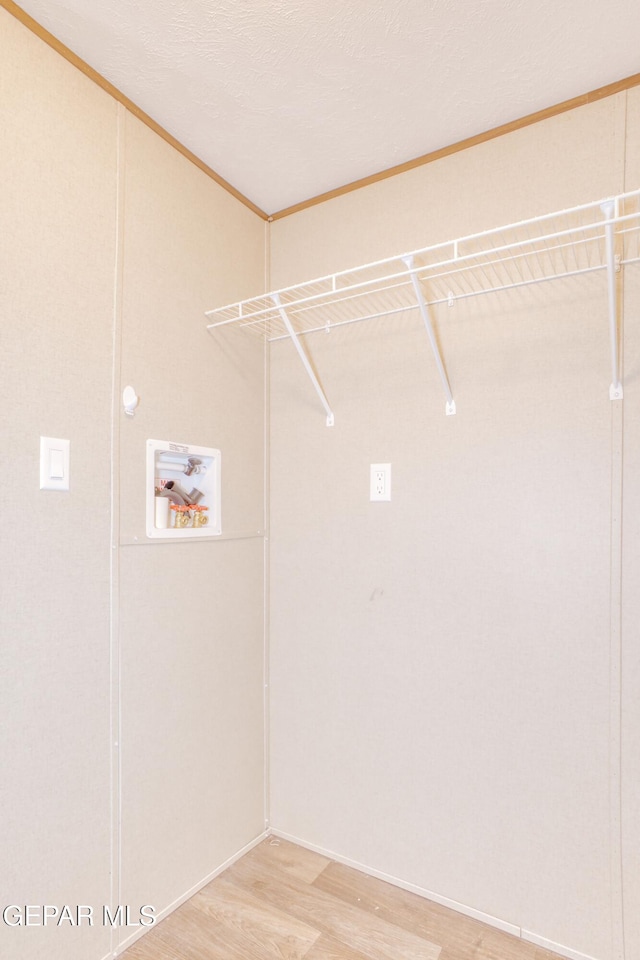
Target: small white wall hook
point(130, 399)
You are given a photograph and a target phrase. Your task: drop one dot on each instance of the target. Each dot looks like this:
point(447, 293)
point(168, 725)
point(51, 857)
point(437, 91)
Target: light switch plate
point(54, 463)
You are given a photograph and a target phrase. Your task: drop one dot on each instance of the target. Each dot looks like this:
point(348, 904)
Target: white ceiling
point(287, 99)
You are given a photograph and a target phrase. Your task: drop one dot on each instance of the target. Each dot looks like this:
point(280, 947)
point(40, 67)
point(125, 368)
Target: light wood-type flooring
point(281, 902)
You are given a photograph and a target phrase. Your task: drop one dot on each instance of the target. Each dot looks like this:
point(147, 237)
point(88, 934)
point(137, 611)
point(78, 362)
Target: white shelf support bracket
point(609, 210)
point(450, 407)
point(305, 360)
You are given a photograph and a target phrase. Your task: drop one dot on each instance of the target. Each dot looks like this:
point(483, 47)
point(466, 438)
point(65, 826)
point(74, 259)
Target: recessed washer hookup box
point(183, 496)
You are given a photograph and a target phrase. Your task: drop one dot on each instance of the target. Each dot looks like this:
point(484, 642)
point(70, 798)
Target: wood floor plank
point(519, 950)
point(378, 939)
point(280, 902)
point(326, 948)
point(497, 945)
point(461, 938)
point(196, 937)
point(407, 910)
point(150, 947)
point(304, 865)
point(275, 932)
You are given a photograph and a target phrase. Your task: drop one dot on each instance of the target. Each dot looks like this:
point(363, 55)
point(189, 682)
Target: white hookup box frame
point(196, 471)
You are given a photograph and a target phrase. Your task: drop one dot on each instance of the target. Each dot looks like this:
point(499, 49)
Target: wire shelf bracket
point(450, 407)
point(305, 359)
point(599, 238)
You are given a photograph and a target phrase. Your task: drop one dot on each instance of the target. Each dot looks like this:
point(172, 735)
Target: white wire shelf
point(599, 236)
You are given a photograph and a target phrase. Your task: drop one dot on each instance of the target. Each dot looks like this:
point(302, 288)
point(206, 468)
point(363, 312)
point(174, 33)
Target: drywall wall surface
point(189, 246)
point(192, 713)
point(191, 613)
point(630, 647)
point(441, 664)
point(566, 160)
point(57, 208)
point(131, 697)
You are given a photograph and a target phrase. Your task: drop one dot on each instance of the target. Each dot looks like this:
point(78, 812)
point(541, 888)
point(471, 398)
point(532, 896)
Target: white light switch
point(54, 464)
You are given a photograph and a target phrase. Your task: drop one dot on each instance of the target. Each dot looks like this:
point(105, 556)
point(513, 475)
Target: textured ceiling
point(288, 99)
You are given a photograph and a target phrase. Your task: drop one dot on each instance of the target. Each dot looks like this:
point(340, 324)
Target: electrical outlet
point(380, 482)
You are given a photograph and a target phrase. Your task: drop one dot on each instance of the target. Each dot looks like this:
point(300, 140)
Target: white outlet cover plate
point(380, 482)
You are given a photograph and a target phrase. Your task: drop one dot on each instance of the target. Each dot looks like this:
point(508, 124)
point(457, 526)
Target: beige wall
point(58, 206)
point(113, 245)
point(191, 622)
point(445, 668)
point(443, 680)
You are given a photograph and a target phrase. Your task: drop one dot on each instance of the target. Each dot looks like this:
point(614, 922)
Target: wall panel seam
point(115, 704)
point(267, 554)
point(615, 637)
